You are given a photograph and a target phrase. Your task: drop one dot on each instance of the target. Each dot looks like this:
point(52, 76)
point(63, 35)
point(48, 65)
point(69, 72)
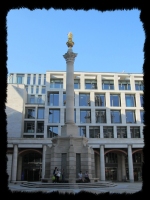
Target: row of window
point(94, 131)
point(89, 84)
point(113, 158)
point(92, 84)
point(85, 115)
point(84, 99)
point(20, 79)
point(38, 91)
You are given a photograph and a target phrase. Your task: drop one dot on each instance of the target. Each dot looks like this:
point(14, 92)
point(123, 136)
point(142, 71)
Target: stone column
point(43, 161)
point(123, 167)
point(70, 128)
point(102, 163)
point(70, 57)
point(14, 164)
point(119, 168)
point(130, 163)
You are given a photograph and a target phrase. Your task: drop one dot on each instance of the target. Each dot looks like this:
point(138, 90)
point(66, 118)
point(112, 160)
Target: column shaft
point(102, 163)
point(14, 164)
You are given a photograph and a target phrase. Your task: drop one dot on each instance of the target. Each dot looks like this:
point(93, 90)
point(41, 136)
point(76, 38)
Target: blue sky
point(105, 41)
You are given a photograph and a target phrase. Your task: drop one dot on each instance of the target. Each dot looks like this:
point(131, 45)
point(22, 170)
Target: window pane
point(40, 113)
point(84, 99)
point(82, 131)
point(115, 100)
point(54, 116)
point(130, 102)
point(130, 117)
point(52, 131)
point(30, 113)
point(141, 100)
point(77, 84)
point(94, 132)
point(28, 80)
point(29, 127)
point(108, 132)
point(100, 116)
point(121, 132)
point(40, 127)
point(99, 100)
point(85, 116)
point(115, 117)
point(142, 116)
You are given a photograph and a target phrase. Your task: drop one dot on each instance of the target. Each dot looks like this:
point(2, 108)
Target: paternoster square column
point(69, 128)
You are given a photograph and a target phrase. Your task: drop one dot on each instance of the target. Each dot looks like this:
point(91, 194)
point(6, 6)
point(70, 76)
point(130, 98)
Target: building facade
point(108, 110)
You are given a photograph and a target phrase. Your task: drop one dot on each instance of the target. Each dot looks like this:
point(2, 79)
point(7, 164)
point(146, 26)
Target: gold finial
point(70, 43)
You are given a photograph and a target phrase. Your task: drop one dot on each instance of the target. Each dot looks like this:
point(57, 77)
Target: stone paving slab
point(120, 188)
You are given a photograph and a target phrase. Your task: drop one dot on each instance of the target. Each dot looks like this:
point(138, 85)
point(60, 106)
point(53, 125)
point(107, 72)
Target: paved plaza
point(120, 188)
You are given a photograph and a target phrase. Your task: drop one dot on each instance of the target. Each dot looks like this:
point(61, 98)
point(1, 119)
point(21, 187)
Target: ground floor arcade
point(114, 164)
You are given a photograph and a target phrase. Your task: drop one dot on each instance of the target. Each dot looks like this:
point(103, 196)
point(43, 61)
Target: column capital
point(70, 56)
point(130, 145)
point(102, 145)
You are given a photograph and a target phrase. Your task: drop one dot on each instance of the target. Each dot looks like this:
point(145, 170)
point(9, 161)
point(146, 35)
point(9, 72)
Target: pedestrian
point(57, 175)
point(86, 176)
point(80, 176)
point(54, 174)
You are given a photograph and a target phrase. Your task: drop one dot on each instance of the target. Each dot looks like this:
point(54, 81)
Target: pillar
point(130, 164)
point(43, 161)
point(102, 163)
point(14, 164)
point(123, 167)
point(119, 168)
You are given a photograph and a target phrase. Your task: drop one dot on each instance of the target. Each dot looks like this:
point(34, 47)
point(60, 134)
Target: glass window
point(130, 100)
point(94, 132)
point(108, 132)
point(139, 85)
point(137, 158)
point(28, 136)
point(53, 99)
point(124, 85)
point(44, 79)
point(34, 79)
point(27, 89)
point(39, 99)
point(76, 83)
point(121, 132)
point(108, 85)
point(31, 90)
point(100, 100)
point(40, 113)
point(52, 131)
point(37, 90)
point(141, 100)
point(28, 79)
point(115, 116)
point(85, 116)
point(114, 100)
point(111, 158)
point(54, 116)
point(30, 113)
point(74, 115)
point(39, 136)
point(29, 127)
point(135, 132)
point(84, 99)
point(40, 127)
point(100, 116)
point(82, 131)
point(20, 79)
point(32, 99)
point(142, 116)
point(39, 80)
point(130, 116)
point(43, 90)
point(90, 84)
point(56, 83)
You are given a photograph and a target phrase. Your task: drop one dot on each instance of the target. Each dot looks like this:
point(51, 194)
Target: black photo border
point(101, 5)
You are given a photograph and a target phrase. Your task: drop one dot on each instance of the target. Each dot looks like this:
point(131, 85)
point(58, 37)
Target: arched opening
point(31, 166)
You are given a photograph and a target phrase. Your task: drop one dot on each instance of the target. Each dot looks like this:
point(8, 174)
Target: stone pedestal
point(71, 146)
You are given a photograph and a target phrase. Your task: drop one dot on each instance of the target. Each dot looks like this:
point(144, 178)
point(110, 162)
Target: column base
point(131, 181)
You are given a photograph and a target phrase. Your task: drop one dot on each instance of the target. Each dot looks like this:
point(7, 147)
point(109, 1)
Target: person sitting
point(86, 176)
point(81, 176)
